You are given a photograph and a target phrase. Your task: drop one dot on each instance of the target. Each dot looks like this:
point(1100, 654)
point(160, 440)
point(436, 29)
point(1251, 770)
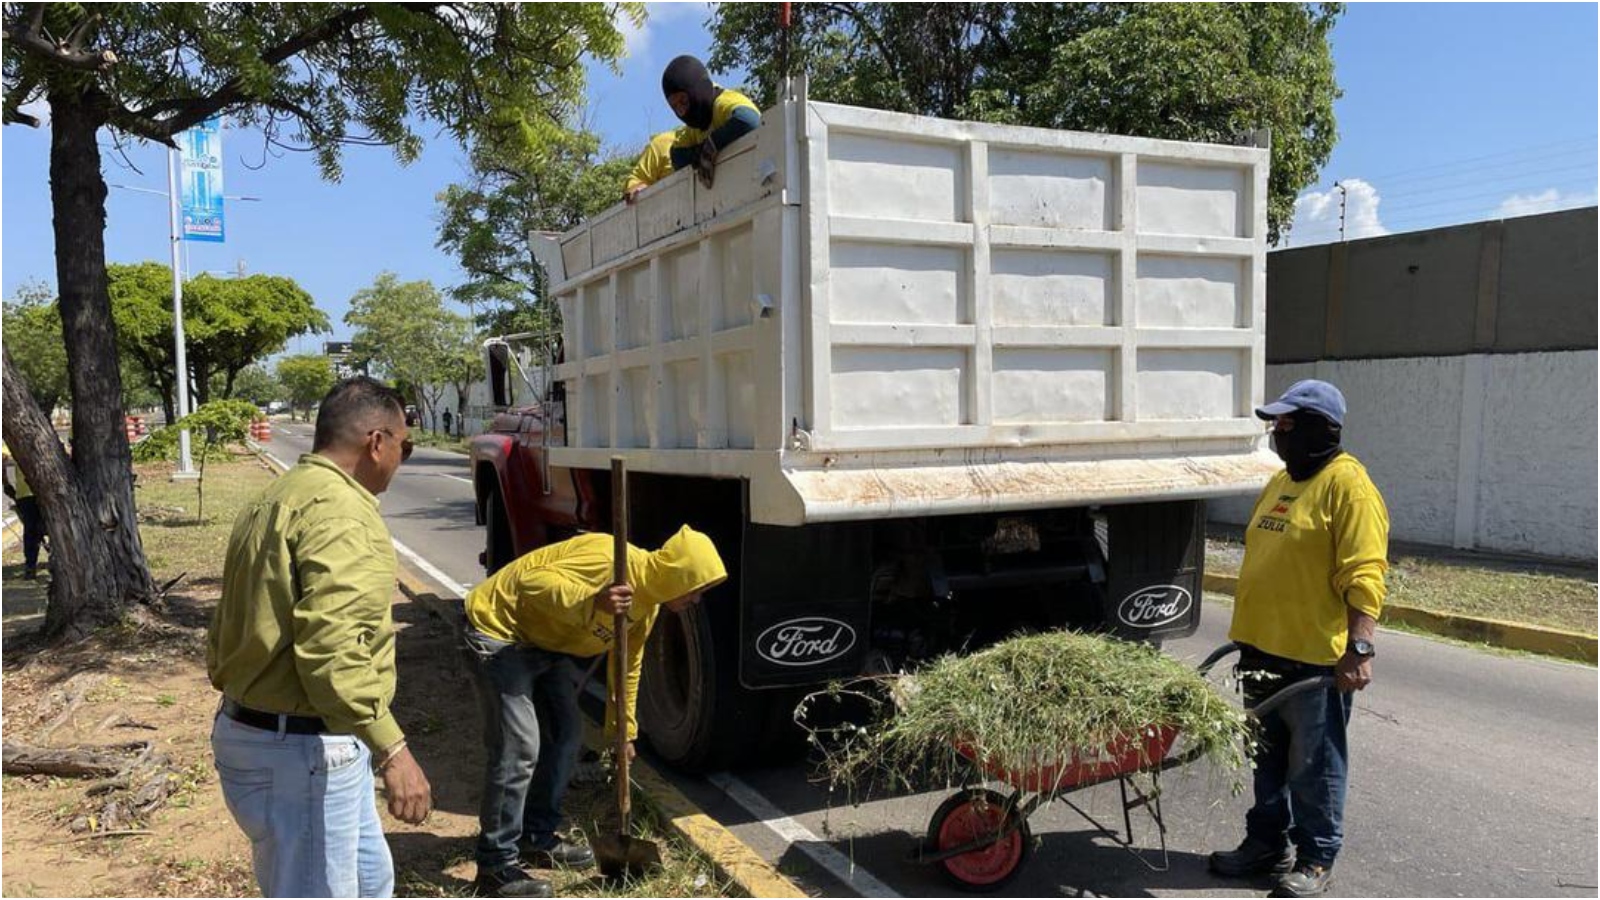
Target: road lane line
point(800, 837)
point(433, 571)
point(456, 477)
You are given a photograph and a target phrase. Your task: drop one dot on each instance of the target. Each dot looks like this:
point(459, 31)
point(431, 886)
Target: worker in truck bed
point(527, 626)
point(713, 117)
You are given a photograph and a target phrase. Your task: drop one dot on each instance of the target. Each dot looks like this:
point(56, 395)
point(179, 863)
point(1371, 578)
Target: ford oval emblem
point(1154, 606)
point(808, 641)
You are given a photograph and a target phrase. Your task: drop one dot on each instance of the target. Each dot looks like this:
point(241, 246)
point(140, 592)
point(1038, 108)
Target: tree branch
point(31, 38)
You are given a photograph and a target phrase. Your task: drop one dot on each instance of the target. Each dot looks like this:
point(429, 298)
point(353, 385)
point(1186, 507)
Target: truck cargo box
point(876, 315)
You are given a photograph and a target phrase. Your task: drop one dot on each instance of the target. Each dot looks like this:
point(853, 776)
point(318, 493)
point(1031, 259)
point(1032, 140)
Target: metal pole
point(185, 462)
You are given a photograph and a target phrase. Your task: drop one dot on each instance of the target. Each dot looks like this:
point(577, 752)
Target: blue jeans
point(307, 803)
point(532, 731)
point(1302, 762)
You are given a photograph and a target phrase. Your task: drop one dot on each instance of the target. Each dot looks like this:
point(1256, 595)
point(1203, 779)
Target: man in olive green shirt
point(302, 648)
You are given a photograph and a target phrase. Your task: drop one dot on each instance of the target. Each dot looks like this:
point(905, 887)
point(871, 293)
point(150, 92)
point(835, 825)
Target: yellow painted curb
point(733, 859)
point(1509, 635)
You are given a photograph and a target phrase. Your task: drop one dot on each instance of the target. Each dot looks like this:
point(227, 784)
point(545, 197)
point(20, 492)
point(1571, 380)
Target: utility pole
point(185, 461)
point(1344, 195)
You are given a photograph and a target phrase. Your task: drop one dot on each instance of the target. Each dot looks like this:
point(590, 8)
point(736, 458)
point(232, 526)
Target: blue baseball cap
point(1319, 397)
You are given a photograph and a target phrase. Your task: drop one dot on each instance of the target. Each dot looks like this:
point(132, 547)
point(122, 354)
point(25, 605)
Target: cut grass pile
point(1024, 703)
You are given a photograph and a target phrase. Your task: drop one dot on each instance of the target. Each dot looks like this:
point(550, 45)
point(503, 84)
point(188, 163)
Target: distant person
point(528, 624)
point(28, 513)
point(1310, 590)
point(446, 417)
point(302, 648)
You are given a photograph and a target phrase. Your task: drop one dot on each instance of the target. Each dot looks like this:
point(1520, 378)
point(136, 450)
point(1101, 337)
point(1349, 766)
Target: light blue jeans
point(307, 803)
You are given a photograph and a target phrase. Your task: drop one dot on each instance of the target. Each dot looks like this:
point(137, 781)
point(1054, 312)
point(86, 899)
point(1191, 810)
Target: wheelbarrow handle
point(1304, 685)
point(1319, 682)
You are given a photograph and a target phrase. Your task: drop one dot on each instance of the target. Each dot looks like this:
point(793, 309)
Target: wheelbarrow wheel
point(978, 814)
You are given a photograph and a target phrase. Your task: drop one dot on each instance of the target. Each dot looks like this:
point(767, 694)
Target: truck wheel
point(498, 549)
point(691, 706)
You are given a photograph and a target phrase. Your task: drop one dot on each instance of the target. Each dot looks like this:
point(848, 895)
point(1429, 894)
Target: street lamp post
point(180, 354)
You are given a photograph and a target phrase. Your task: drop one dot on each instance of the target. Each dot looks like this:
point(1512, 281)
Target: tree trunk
point(113, 574)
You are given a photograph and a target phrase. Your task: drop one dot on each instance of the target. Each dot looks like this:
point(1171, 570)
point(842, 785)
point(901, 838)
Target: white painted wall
point(1480, 452)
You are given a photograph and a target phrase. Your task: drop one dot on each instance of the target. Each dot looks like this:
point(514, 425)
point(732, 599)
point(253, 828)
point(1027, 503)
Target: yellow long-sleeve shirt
point(546, 598)
point(1312, 550)
point(304, 625)
point(655, 163)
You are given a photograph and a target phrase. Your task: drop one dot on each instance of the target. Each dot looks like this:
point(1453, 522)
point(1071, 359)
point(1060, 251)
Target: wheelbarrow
point(979, 837)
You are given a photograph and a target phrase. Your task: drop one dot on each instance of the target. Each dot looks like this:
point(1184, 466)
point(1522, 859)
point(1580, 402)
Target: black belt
point(266, 721)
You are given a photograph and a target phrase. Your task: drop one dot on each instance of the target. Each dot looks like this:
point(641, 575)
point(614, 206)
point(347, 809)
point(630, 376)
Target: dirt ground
point(147, 683)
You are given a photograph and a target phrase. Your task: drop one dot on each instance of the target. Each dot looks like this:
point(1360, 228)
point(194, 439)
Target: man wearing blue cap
point(1310, 591)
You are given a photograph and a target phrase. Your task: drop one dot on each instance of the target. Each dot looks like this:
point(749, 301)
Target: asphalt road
point(1473, 774)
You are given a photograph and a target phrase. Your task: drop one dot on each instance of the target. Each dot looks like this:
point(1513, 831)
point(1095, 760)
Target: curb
point(751, 875)
point(1509, 635)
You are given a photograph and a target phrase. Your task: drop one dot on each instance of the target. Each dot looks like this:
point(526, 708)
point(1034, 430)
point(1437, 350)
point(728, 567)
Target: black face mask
point(1310, 445)
point(689, 75)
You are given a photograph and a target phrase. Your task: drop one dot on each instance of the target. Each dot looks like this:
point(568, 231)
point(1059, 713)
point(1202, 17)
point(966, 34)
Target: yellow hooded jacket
point(655, 163)
point(546, 598)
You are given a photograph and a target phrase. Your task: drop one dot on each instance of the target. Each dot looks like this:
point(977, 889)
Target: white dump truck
point(924, 382)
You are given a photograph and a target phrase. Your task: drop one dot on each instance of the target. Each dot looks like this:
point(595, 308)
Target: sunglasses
point(405, 446)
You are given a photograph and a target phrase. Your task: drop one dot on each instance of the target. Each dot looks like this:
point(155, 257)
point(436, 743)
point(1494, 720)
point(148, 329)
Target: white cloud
point(39, 109)
point(1316, 214)
point(1545, 201)
point(639, 39)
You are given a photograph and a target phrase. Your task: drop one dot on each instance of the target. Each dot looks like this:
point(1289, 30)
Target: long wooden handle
point(619, 627)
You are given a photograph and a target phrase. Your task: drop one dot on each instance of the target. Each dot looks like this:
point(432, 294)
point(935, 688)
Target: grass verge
point(1524, 592)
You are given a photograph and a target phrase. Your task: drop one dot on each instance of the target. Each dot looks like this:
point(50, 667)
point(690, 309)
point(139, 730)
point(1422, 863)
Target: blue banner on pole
point(200, 149)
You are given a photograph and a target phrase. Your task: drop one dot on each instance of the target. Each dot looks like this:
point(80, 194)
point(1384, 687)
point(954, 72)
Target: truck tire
point(499, 549)
point(692, 709)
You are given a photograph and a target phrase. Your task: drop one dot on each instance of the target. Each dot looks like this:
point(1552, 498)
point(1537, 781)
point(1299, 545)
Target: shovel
point(621, 853)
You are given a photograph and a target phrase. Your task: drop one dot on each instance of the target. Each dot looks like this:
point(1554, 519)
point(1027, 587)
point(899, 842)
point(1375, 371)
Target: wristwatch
point(1363, 649)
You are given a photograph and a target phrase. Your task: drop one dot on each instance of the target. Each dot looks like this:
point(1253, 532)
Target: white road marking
point(801, 837)
point(456, 477)
point(433, 571)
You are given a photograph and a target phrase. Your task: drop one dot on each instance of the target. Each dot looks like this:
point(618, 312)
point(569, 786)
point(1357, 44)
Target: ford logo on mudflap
point(1154, 606)
point(805, 642)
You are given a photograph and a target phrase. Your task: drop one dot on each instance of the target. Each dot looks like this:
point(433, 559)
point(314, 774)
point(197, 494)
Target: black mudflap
point(806, 611)
point(1155, 568)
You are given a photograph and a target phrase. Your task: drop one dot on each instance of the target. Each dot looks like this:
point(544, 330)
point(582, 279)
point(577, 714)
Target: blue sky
point(1451, 113)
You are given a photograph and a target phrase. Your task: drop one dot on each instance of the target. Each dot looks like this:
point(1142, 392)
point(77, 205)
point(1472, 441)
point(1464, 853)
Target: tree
point(463, 366)
point(307, 378)
point(485, 222)
point(33, 334)
point(228, 324)
point(310, 76)
point(1192, 72)
point(256, 386)
point(404, 330)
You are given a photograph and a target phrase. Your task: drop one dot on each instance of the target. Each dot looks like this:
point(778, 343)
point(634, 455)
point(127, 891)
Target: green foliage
point(228, 323)
point(403, 330)
point(485, 222)
point(256, 385)
point(32, 324)
point(318, 76)
point(306, 378)
point(1027, 702)
point(212, 428)
point(1193, 72)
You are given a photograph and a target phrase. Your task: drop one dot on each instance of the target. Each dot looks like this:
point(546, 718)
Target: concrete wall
point(1467, 355)
point(1508, 286)
point(1482, 452)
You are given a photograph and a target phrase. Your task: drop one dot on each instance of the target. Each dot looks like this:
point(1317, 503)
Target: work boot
point(562, 854)
point(1254, 857)
point(509, 881)
point(1307, 880)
